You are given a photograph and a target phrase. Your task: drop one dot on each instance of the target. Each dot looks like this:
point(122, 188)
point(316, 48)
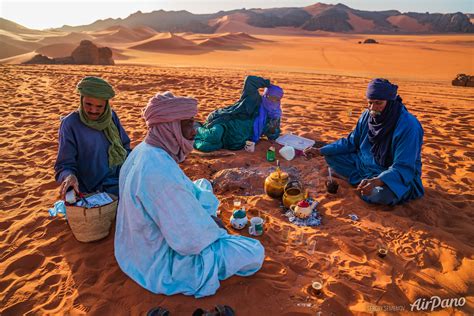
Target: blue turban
point(381, 89)
point(268, 109)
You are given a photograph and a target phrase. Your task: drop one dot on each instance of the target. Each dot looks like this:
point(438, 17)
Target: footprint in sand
point(25, 265)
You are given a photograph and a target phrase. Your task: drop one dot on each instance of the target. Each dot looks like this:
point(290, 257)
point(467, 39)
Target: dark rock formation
point(332, 20)
point(278, 17)
point(370, 41)
point(87, 53)
point(463, 80)
point(443, 23)
point(105, 56)
point(40, 59)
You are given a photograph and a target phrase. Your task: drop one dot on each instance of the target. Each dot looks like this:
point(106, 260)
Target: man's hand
point(312, 152)
point(367, 185)
point(69, 181)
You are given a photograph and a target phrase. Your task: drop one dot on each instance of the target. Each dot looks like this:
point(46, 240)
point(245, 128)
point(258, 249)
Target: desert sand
point(44, 270)
point(237, 45)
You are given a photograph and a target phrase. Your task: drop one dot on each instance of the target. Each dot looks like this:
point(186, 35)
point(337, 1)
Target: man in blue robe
point(382, 155)
point(92, 143)
point(166, 239)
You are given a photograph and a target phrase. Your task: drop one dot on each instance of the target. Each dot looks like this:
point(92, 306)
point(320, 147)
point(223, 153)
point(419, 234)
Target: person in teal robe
point(251, 117)
point(382, 155)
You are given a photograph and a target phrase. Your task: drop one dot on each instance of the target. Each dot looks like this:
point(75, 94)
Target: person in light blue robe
point(166, 239)
point(382, 155)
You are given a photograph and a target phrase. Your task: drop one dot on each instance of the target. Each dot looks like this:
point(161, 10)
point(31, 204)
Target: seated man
point(383, 153)
point(165, 238)
point(92, 142)
point(249, 118)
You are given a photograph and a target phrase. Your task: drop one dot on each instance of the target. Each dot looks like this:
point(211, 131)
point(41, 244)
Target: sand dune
point(433, 57)
point(359, 24)
point(57, 50)
point(167, 42)
point(237, 22)
point(46, 271)
point(120, 34)
point(12, 45)
point(407, 24)
point(316, 8)
point(9, 50)
point(16, 28)
point(73, 38)
point(17, 59)
point(230, 41)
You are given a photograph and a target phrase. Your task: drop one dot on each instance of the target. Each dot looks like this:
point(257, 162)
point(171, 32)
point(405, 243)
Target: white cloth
point(165, 237)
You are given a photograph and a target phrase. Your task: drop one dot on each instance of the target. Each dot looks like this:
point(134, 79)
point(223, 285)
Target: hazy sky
point(40, 14)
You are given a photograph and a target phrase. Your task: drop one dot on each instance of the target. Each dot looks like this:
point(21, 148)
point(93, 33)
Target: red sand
point(44, 270)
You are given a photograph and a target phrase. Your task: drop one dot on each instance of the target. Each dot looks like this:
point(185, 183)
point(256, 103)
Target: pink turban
point(163, 116)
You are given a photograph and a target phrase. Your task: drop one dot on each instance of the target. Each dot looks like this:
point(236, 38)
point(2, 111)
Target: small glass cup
point(237, 204)
point(317, 287)
point(382, 251)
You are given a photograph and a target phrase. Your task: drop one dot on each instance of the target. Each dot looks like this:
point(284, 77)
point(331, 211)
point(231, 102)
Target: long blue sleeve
point(66, 162)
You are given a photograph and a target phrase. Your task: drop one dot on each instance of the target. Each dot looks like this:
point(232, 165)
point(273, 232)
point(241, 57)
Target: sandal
point(158, 311)
point(219, 310)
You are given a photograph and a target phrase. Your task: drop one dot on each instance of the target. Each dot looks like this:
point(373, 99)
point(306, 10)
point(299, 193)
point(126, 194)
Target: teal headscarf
point(99, 88)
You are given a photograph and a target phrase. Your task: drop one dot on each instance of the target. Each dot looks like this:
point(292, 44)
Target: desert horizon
point(44, 270)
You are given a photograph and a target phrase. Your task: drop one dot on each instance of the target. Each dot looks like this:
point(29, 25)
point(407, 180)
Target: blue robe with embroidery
point(351, 157)
point(165, 238)
point(83, 151)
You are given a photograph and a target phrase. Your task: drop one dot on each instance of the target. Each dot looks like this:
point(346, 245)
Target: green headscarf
point(101, 89)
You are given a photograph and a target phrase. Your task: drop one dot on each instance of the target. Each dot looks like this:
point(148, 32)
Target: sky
point(41, 14)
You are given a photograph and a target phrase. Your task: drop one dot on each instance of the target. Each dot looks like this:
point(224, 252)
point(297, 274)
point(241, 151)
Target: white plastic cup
point(250, 146)
point(287, 152)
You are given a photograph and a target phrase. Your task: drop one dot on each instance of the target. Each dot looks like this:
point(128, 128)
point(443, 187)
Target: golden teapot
point(275, 183)
point(293, 193)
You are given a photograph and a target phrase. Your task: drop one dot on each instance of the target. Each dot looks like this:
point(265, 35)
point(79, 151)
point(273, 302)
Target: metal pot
point(275, 183)
point(293, 193)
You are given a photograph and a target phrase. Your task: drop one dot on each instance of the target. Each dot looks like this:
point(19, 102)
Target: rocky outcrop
point(87, 53)
point(105, 56)
point(331, 20)
point(269, 18)
point(40, 59)
point(370, 41)
point(463, 80)
point(445, 23)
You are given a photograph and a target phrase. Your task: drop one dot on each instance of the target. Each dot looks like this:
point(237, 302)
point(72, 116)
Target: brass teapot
point(293, 193)
point(275, 183)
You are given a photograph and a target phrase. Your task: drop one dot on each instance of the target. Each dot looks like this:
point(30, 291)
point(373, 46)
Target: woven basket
point(91, 224)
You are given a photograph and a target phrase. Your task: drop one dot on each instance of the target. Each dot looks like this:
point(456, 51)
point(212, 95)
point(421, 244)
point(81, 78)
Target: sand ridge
point(45, 270)
point(420, 57)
